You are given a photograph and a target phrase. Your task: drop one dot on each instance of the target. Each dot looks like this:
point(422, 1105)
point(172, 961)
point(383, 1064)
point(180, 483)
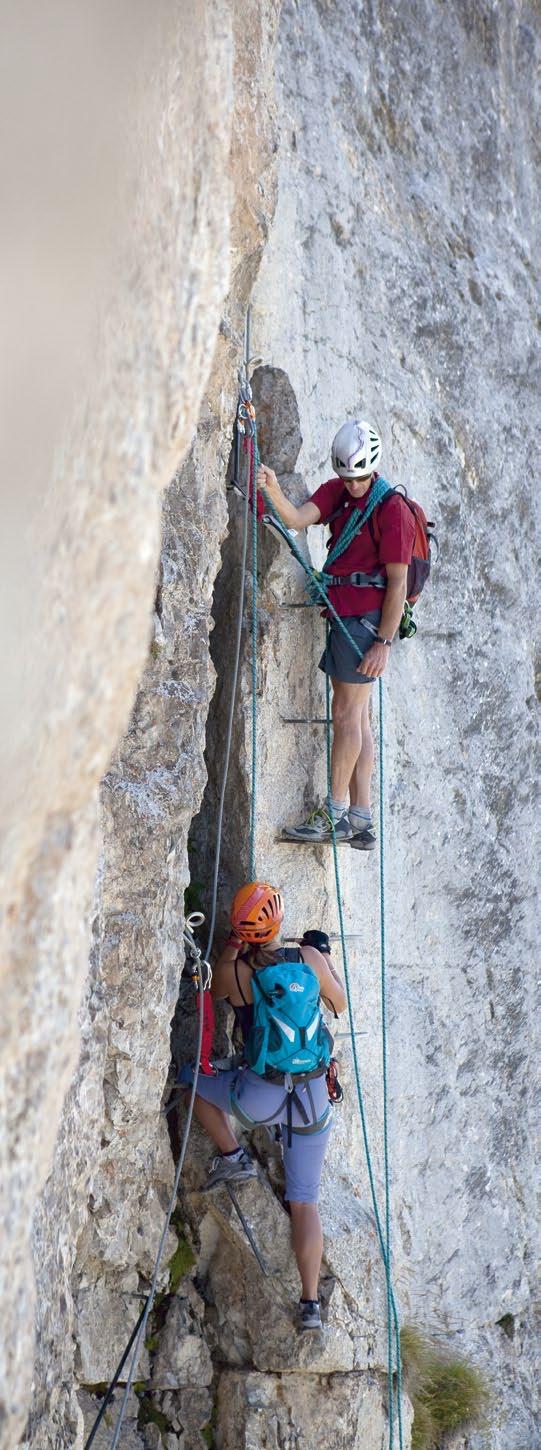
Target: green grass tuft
point(424, 1433)
point(456, 1395)
point(446, 1392)
point(182, 1260)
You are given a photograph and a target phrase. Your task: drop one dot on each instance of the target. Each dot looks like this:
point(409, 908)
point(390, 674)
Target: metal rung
point(285, 604)
point(300, 720)
point(333, 936)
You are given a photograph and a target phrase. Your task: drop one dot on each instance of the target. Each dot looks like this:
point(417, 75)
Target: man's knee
point(347, 711)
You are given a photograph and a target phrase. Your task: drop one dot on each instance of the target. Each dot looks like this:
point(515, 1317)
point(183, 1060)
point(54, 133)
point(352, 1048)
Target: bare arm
point(222, 973)
point(332, 988)
point(376, 657)
point(292, 517)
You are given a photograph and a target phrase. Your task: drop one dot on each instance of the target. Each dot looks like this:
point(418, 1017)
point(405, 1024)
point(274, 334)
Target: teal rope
point(254, 464)
point(379, 491)
point(392, 1315)
point(384, 1035)
point(384, 1241)
point(319, 588)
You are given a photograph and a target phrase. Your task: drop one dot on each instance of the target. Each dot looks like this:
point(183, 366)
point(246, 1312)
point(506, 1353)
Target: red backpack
point(419, 568)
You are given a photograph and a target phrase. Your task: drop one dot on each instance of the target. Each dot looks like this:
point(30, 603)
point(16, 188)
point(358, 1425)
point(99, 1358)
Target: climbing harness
point(353, 526)
point(418, 569)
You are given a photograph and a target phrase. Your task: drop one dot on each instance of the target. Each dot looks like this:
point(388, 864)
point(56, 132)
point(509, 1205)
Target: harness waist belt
point(361, 581)
point(296, 1077)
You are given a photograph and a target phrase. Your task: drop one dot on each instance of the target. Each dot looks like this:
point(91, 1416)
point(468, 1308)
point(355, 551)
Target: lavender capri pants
point(254, 1100)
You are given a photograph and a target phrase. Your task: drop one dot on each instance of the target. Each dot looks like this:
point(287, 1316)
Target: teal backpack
point(288, 1034)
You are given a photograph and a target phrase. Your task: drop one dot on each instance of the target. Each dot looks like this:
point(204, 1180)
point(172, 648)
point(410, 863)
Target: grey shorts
point(339, 658)
point(260, 1101)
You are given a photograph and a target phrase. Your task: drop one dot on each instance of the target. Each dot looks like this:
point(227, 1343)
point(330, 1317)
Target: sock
point(234, 1153)
point(309, 1301)
point(360, 816)
point(336, 808)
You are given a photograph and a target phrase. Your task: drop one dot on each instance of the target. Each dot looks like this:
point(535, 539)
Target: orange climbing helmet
point(257, 912)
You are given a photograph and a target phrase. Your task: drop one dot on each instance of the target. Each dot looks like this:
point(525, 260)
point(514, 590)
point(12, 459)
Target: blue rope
point(393, 1326)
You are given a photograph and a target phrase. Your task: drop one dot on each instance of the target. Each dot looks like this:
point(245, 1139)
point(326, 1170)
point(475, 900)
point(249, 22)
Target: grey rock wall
point(399, 273)
point(401, 277)
point(96, 534)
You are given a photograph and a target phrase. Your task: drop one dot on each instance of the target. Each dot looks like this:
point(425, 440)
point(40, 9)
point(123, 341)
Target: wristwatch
point(379, 640)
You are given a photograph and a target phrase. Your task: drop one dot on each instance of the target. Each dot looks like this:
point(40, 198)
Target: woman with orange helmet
point(257, 912)
point(275, 993)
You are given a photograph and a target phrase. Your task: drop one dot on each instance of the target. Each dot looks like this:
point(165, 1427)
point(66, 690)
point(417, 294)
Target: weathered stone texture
point(274, 1411)
point(401, 278)
point(99, 1218)
point(399, 275)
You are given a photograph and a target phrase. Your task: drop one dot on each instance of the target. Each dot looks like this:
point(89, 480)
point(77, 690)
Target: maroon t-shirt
point(395, 534)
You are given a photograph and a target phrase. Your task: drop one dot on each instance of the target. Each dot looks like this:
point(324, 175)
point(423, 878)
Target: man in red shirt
point(369, 595)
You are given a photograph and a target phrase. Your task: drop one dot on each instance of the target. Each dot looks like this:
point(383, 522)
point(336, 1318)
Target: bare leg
point(348, 707)
point(359, 785)
point(307, 1239)
point(216, 1124)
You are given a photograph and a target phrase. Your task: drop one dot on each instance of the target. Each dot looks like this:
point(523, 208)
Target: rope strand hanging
point(137, 1335)
point(383, 1228)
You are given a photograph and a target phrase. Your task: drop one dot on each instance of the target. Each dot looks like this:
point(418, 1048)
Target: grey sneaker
point(230, 1170)
point(364, 840)
point(309, 1314)
point(317, 830)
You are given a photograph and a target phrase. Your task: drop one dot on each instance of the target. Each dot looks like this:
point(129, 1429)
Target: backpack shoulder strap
point(339, 507)
point(243, 957)
point(399, 493)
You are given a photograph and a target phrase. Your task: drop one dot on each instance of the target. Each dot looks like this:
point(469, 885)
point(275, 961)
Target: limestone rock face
point(407, 292)
point(199, 189)
point(381, 210)
point(293, 1410)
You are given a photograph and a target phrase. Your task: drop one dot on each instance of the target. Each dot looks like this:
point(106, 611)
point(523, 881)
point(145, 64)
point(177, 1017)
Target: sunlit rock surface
point(398, 272)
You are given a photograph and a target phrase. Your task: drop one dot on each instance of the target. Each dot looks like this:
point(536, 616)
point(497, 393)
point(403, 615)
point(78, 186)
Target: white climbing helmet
point(356, 449)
